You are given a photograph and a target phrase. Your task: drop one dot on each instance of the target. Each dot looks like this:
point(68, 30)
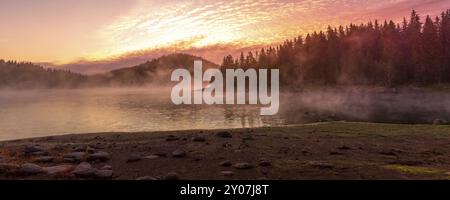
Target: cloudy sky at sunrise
point(70, 30)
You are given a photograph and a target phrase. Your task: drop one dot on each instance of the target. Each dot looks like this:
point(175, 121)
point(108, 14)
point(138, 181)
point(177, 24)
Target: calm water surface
point(38, 113)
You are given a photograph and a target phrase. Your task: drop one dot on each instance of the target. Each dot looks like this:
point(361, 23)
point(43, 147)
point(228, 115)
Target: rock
point(99, 156)
point(134, 158)
point(8, 168)
point(262, 179)
point(44, 159)
point(172, 138)
point(59, 170)
point(106, 167)
point(224, 134)
point(33, 149)
point(30, 169)
point(74, 157)
point(264, 162)
point(179, 153)
point(151, 157)
point(84, 169)
point(104, 174)
point(198, 139)
point(225, 163)
point(440, 122)
point(227, 173)
point(172, 176)
point(243, 165)
point(147, 178)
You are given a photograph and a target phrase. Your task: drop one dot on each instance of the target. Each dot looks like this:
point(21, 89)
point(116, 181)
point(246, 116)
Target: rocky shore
point(335, 150)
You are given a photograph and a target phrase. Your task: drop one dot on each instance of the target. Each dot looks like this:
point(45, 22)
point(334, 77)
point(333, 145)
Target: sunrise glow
point(62, 32)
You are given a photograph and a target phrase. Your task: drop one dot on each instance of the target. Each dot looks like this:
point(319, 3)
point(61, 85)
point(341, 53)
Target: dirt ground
point(335, 150)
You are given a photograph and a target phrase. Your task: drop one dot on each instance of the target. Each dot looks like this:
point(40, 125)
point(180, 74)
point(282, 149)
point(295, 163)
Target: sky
point(61, 32)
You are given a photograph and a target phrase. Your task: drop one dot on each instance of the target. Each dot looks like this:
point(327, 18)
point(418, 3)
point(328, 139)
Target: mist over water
point(53, 112)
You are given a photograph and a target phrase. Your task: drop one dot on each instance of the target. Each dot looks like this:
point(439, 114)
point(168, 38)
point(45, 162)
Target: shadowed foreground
point(334, 150)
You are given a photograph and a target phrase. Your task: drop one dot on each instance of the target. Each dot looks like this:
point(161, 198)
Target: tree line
point(24, 75)
point(413, 52)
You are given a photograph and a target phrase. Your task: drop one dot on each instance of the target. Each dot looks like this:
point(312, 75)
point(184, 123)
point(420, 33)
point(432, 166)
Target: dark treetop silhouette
point(374, 54)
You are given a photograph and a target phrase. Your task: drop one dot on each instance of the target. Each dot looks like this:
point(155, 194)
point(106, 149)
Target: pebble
point(227, 173)
point(74, 157)
point(59, 170)
point(84, 169)
point(30, 169)
point(179, 153)
point(172, 176)
point(151, 157)
point(99, 156)
point(224, 134)
point(243, 165)
point(106, 167)
point(134, 158)
point(198, 139)
point(147, 178)
point(225, 163)
point(44, 159)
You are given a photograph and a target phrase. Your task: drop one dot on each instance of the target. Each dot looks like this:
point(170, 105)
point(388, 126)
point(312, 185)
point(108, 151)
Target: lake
point(37, 113)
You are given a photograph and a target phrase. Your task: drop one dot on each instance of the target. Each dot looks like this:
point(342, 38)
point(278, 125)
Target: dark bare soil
point(335, 150)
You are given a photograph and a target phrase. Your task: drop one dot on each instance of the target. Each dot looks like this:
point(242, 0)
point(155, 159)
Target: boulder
point(59, 169)
point(30, 169)
point(84, 169)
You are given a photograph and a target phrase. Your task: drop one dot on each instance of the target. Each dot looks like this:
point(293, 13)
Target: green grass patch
point(414, 169)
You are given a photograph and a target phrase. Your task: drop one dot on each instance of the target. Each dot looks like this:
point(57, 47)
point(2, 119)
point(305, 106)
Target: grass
point(369, 129)
point(416, 170)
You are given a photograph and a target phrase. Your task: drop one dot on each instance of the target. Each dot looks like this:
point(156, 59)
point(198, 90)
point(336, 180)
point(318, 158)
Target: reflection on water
point(51, 112)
